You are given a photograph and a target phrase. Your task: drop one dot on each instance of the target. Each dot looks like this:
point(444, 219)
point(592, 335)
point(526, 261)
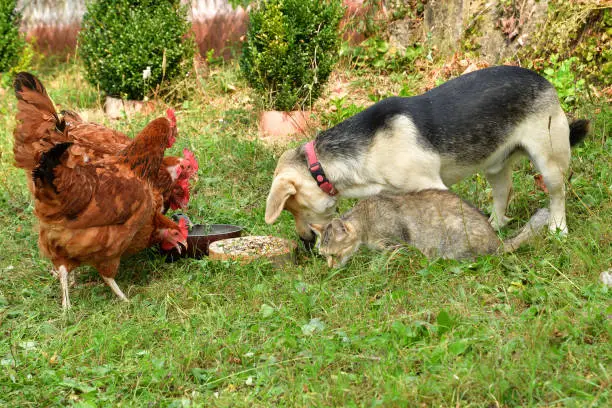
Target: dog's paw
point(499, 222)
point(560, 230)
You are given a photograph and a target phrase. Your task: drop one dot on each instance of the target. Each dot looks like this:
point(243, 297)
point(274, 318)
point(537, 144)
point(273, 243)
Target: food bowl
point(201, 236)
point(246, 249)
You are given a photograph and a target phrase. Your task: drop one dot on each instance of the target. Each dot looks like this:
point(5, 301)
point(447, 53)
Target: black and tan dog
point(481, 121)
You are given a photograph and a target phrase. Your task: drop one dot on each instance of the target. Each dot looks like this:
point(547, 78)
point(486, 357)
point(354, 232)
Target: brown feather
point(145, 154)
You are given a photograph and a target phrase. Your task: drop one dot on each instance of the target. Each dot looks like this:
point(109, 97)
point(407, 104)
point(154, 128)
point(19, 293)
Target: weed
point(562, 76)
point(376, 54)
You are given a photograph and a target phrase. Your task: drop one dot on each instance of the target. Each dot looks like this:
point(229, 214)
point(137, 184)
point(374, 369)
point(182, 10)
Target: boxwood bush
point(290, 50)
point(120, 39)
point(11, 42)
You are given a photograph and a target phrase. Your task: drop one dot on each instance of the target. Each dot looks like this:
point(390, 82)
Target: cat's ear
point(341, 228)
point(317, 229)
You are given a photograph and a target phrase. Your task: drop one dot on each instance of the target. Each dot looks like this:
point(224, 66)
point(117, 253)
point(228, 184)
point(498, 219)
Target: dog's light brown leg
point(550, 153)
point(501, 184)
point(555, 182)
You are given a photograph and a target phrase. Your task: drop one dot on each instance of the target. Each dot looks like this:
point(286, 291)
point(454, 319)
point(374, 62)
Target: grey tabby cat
point(437, 222)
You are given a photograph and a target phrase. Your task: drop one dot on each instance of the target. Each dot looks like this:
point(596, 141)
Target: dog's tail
point(578, 131)
point(535, 224)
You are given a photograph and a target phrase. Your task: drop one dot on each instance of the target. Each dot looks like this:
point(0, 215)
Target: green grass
point(526, 329)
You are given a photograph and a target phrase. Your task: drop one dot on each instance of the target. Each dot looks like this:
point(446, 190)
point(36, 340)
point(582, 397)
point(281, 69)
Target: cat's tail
point(536, 223)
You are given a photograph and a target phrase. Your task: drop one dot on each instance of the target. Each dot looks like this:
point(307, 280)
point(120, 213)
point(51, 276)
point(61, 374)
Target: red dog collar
point(316, 170)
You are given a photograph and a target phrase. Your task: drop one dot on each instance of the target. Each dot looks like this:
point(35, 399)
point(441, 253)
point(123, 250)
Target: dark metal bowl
point(200, 236)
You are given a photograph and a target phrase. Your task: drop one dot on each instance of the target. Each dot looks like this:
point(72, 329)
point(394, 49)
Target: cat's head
point(337, 241)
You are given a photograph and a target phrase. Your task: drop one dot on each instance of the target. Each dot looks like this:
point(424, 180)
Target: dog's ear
point(282, 188)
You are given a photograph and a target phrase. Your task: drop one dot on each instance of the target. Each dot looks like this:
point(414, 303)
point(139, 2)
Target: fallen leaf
point(314, 325)
point(539, 182)
point(266, 310)
point(471, 68)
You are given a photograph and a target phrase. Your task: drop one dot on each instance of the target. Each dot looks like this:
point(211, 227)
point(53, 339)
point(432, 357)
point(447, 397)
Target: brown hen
point(93, 212)
point(41, 127)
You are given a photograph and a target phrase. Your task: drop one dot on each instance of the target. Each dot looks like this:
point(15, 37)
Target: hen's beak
point(180, 245)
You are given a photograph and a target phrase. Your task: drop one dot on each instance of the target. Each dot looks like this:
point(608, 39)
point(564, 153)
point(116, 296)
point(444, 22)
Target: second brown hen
point(94, 212)
point(40, 127)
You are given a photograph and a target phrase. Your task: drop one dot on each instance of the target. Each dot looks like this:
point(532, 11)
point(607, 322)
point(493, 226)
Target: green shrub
point(290, 50)
point(11, 42)
point(120, 39)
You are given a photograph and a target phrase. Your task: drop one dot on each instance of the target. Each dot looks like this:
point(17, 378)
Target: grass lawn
point(525, 329)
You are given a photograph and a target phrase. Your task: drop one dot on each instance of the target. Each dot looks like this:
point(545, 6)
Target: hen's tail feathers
point(24, 81)
point(534, 226)
point(43, 175)
point(578, 131)
point(39, 127)
point(30, 90)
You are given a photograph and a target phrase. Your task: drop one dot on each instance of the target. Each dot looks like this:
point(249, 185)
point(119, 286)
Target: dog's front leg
point(501, 184)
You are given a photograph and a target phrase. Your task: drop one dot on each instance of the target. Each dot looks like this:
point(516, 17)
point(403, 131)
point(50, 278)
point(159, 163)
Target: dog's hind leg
point(554, 178)
point(551, 156)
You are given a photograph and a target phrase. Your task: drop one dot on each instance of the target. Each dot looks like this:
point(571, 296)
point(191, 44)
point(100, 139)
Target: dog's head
point(293, 189)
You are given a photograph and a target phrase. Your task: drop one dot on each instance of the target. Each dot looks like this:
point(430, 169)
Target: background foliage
point(290, 50)
point(580, 31)
point(11, 42)
point(121, 38)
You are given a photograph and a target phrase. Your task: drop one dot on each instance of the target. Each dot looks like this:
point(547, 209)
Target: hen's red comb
point(188, 155)
point(186, 195)
point(171, 117)
point(183, 227)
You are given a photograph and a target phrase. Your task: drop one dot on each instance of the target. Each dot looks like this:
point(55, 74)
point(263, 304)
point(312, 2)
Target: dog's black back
point(467, 117)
